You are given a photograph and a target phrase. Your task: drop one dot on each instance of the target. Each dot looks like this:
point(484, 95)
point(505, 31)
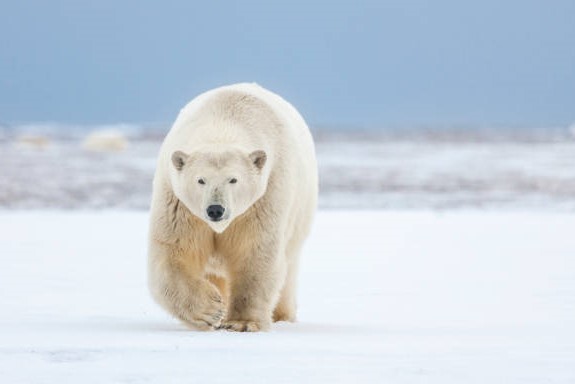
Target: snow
point(452, 171)
point(385, 297)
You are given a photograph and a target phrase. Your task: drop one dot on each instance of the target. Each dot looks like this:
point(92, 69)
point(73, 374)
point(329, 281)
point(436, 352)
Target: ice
point(446, 172)
point(385, 297)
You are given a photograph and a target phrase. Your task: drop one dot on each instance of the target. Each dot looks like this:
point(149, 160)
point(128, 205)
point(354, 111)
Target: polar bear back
point(246, 115)
point(251, 118)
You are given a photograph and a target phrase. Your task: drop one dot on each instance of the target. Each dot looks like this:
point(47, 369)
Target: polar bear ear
point(179, 159)
point(258, 158)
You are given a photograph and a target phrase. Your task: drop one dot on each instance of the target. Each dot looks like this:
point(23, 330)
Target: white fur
point(238, 273)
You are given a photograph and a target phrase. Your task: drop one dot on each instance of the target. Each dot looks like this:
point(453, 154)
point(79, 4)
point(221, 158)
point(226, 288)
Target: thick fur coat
point(234, 195)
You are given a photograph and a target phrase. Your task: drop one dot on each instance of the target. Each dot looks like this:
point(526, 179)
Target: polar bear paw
point(209, 310)
point(244, 325)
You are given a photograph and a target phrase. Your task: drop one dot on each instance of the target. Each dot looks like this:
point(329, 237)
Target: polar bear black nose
point(215, 212)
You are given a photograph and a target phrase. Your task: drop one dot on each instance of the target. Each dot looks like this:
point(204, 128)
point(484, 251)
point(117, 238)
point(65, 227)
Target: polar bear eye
point(201, 181)
point(233, 180)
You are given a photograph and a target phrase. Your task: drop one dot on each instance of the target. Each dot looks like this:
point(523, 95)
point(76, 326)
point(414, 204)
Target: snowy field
point(385, 297)
point(438, 170)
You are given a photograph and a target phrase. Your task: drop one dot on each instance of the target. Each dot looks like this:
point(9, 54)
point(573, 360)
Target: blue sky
point(345, 63)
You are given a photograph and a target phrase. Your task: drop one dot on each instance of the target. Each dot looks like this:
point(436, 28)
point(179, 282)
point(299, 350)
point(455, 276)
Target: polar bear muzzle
point(215, 212)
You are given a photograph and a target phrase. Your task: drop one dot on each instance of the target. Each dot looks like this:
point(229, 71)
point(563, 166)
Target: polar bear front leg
point(182, 290)
point(285, 309)
point(255, 286)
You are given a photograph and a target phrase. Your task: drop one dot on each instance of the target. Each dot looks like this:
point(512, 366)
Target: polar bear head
point(218, 186)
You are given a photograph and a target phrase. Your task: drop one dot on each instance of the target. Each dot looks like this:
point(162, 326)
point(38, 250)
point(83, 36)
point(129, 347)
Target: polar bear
point(234, 195)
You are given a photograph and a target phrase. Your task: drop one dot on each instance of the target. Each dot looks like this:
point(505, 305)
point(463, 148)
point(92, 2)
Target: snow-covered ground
point(464, 170)
point(385, 297)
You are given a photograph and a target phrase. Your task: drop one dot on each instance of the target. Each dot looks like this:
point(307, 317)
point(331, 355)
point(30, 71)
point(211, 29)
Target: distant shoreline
point(455, 133)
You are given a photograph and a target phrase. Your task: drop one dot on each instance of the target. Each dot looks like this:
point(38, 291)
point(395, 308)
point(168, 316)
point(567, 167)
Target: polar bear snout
point(215, 212)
